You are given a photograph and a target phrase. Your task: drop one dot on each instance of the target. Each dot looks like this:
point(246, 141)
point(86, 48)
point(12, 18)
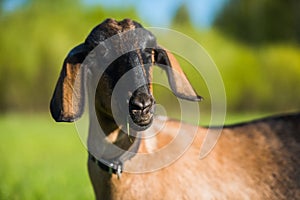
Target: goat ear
point(68, 98)
point(179, 83)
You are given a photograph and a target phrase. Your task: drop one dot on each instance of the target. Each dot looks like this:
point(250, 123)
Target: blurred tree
point(182, 17)
point(54, 4)
point(34, 42)
point(260, 21)
point(36, 38)
point(1, 7)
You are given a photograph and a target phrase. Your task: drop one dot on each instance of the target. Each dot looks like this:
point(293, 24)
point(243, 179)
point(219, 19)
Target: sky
point(156, 12)
point(161, 12)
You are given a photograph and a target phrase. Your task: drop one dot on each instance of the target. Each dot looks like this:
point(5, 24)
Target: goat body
point(255, 160)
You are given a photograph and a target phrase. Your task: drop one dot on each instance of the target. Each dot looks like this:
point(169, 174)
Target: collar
point(115, 165)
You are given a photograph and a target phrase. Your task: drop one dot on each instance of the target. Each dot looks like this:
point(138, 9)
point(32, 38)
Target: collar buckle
point(115, 166)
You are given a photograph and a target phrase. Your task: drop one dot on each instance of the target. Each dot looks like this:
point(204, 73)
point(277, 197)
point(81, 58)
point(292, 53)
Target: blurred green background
point(254, 43)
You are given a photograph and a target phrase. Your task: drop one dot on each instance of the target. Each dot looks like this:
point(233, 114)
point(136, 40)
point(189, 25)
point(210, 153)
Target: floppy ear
point(68, 98)
point(179, 83)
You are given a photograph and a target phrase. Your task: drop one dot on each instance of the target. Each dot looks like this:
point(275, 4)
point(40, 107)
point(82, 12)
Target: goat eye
point(147, 53)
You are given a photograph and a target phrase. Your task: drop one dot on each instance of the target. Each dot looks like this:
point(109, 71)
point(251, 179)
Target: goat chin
point(139, 127)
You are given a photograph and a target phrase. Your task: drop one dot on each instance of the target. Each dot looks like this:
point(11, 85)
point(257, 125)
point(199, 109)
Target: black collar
point(115, 165)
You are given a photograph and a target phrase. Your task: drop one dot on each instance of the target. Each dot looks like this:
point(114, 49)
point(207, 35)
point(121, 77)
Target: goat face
point(120, 97)
point(128, 50)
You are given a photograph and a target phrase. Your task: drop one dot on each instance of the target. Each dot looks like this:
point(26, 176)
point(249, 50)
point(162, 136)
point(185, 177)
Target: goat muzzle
point(141, 109)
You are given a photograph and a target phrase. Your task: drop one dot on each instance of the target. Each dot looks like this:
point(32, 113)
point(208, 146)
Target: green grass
point(42, 159)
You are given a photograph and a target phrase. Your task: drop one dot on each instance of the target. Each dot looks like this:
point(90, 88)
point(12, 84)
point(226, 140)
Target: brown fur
point(182, 84)
point(70, 98)
point(257, 160)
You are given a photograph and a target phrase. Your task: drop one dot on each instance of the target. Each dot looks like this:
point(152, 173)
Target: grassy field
point(41, 159)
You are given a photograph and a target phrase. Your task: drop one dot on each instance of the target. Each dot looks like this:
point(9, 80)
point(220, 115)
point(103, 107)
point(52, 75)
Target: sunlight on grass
point(41, 159)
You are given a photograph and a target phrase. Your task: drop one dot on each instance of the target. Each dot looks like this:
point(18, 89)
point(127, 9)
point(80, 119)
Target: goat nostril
point(147, 103)
point(136, 112)
point(137, 105)
point(146, 110)
point(141, 103)
point(140, 108)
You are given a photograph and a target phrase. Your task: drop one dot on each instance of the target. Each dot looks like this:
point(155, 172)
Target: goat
point(253, 160)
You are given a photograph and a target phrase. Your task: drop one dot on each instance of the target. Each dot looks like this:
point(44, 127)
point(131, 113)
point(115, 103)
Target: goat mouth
point(141, 118)
point(143, 121)
point(140, 124)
